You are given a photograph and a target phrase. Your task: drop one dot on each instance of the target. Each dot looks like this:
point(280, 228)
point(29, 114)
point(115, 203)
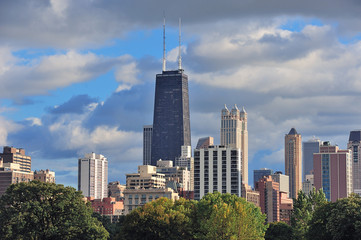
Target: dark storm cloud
point(77, 104)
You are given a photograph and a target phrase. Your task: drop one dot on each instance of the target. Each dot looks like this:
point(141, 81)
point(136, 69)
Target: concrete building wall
point(217, 168)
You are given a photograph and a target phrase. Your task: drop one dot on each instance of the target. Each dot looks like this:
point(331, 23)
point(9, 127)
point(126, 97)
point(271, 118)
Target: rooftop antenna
point(164, 61)
point(179, 48)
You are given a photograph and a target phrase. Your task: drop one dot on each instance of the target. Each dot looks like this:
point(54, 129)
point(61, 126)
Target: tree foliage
point(338, 220)
point(226, 216)
point(303, 208)
point(39, 210)
point(160, 219)
point(279, 231)
point(216, 216)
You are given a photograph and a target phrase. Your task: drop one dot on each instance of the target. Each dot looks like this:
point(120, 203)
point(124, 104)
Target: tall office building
point(217, 168)
point(308, 149)
point(147, 144)
point(171, 123)
point(93, 176)
point(354, 144)
point(16, 155)
point(234, 134)
point(293, 161)
point(333, 171)
point(260, 173)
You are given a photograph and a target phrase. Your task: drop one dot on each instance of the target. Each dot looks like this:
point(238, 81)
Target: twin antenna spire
point(179, 47)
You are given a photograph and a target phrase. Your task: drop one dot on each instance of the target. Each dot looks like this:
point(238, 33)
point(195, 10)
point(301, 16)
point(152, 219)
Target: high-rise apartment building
point(308, 149)
point(269, 198)
point(260, 173)
point(293, 161)
point(171, 123)
point(217, 168)
point(333, 171)
point(354, 144)
point(147, 144)
point(93, 176)
point(234, 134)
point(16, 155)
point(11, 173)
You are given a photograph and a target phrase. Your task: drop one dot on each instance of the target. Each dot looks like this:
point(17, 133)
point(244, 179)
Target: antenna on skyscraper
point(180, 50)
point(164, 41)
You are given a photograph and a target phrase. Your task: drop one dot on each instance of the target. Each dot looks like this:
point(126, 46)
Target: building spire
point(179, 48)
point(164, 61)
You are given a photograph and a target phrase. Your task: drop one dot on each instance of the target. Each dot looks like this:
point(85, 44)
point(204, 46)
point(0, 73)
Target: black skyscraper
point(171, 125)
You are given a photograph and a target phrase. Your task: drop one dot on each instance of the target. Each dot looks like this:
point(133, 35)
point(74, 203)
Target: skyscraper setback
point(171, 122)
point(293, 161)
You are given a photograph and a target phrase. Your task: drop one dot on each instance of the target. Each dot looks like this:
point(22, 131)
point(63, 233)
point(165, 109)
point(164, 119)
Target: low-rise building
point(250, 195)
point(115, 190)
point(107, 207)
point(147, 177)
point(44, 176)
point(134, 198)
point(181, 175)
point(308, 184)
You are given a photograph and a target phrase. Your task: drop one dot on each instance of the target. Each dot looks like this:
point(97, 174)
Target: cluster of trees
point(317, 219)
point(215, 216)
point(38, 210)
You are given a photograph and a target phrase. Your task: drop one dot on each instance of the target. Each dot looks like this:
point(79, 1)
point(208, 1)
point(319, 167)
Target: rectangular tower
point(234, 134)
point(147, 144)
point(171, 123)
point(293, 161)
point(308, 149)
point(217, 168)
point(333, 171)
point(93, 176)
point(354, 144)
point(16, 155)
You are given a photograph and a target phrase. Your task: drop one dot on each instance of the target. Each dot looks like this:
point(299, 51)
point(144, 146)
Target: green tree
point(279, 231)
point(318, 225)
point(39, 210)
point(160, 219)
point(344, 222)
point(303, 209)
point(226, 216)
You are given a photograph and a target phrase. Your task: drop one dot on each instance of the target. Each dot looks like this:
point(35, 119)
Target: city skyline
point(78, 77)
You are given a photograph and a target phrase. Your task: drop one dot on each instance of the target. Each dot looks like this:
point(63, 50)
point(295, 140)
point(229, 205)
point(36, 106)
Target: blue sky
point(78, 76)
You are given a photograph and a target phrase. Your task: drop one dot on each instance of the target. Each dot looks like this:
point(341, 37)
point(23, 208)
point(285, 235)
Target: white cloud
point(34, 121)
point(126, 75)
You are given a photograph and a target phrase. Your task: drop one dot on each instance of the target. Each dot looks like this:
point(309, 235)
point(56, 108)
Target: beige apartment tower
point(293, 161)
point(234, 134)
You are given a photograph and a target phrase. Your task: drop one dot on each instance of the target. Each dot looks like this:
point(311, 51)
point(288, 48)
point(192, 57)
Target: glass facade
point(171, 123)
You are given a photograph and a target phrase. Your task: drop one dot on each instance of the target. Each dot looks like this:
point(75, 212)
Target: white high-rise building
point(234, 134)
point(93, 176)
point(217, 168)
point(187, 161)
